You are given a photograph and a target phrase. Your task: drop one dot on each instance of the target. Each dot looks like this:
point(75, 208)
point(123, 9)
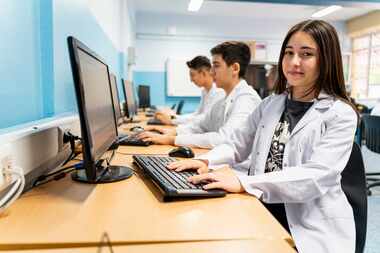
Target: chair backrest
point(354, 187)
point(180, 106)
point(372, 132)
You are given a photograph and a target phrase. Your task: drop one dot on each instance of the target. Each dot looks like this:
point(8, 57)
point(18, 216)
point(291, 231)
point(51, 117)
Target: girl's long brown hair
point(330, 78)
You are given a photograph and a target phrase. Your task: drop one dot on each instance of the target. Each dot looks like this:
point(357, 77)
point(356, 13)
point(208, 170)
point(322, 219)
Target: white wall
point(197, 35)
point(116, 20)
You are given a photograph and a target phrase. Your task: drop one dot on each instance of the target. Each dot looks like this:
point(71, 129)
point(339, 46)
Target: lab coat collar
point(212, 89)
point(323, 101)
point(234, 92)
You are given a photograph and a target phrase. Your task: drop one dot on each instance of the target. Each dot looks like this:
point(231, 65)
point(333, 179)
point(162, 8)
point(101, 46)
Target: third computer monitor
point(130, 104)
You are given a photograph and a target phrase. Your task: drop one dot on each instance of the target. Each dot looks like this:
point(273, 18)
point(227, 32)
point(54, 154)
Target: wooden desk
point(241, 246)
point(72, 214)
point(154, 150)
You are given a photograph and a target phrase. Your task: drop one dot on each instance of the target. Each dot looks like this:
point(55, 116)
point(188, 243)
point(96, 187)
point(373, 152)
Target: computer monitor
point(115, 100)
point(144, 96)
point(96, 115)
point(130, 107)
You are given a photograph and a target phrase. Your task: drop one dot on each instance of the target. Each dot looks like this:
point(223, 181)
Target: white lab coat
point(319, 215)
point(226, 114)
point(208, 99)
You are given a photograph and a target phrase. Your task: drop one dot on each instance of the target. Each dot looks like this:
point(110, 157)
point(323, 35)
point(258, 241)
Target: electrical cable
point(16, 190)
point(59, 174)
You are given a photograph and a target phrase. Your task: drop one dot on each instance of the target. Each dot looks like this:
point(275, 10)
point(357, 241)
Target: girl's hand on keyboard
point(199, 165)
point(156, 138)
point(220, 179)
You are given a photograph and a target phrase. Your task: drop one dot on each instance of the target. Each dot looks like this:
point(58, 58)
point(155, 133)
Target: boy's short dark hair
point(234, 52)
point(199, 62)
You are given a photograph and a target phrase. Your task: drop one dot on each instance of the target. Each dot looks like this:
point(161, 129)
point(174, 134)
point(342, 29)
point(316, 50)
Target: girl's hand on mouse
point(199, 165)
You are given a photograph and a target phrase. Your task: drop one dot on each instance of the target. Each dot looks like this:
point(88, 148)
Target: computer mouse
point(136, 129)
point(185, 152)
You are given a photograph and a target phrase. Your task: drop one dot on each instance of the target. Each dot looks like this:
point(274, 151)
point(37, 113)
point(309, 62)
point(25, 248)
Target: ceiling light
point(194, 5)
point(326, 11)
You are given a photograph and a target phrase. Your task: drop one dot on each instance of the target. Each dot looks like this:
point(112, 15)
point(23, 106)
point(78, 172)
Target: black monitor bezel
point(128, 110)
point(144, 101)
point(119, 120)
point(90, 160)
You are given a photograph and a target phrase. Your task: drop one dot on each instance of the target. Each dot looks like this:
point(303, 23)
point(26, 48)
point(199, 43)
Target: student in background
point(200, 75)
point(299, 141)
point(230, 61)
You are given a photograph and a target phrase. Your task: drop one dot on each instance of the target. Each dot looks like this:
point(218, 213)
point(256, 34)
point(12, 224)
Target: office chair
point(372, 141)
point(180, 106)
point(354, 187)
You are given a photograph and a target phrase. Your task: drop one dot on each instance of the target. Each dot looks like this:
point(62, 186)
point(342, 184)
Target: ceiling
point(246, 9)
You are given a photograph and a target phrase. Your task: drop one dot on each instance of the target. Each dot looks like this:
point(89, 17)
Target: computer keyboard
point(132, 140)
point(154, 121)
point(149, 114)
point(172, 184)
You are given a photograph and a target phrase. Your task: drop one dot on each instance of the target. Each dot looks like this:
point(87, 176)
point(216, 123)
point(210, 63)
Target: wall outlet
point(5, 163)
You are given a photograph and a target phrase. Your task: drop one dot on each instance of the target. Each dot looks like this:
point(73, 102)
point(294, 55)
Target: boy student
point(200, 75)
point(230, 61)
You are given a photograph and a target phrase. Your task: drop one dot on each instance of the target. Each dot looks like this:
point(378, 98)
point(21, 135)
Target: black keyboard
point(132, 140)
point(172, 184)
point(154, 121)
point(149, 114)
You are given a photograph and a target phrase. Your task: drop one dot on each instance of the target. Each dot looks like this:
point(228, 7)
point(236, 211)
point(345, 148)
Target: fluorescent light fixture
point(195, 5)
point(326, 11)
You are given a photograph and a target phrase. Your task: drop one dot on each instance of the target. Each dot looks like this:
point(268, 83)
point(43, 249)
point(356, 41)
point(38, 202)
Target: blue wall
point(157, 83)
point(20, 79)
point(35, 73)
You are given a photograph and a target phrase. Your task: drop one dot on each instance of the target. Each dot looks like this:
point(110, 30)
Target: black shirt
point(294, 111)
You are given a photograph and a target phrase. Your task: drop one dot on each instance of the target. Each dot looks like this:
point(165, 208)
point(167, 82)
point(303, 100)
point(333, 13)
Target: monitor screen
point(98, 107)
point(144, 96)
point(131, 108)
point(115, 99)
point(96, 114)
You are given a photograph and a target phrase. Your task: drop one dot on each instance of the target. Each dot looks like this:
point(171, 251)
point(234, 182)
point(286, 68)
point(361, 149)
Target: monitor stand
point(132, 120)
point(106, 175)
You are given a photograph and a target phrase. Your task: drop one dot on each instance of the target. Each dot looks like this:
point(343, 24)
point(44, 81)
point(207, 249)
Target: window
point(366, 66)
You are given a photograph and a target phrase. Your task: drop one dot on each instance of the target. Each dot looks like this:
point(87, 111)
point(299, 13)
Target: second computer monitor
point(130, 107)
point(115, 100)
point(144, 96)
